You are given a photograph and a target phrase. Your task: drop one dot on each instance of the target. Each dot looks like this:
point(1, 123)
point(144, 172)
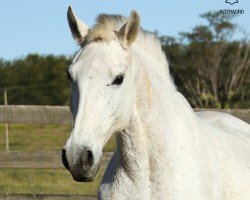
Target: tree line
point(35, 80)
point(208, 65)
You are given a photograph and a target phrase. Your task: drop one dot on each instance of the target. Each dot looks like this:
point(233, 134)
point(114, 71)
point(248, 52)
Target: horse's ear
point(78, 28)
point(130, 30)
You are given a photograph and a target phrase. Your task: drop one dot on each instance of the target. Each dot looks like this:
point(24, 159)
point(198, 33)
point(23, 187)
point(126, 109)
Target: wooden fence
point(38, 160)
point(44, 115)
point(61, 114)
point(35, 115)
point(53, 115)
point(45, 197)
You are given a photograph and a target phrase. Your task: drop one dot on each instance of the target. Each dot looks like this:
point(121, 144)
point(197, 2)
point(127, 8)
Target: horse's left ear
point(130, 30)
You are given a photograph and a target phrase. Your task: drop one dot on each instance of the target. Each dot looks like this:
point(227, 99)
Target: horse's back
point(228, 141)
point(229, 134)
point(225, 121)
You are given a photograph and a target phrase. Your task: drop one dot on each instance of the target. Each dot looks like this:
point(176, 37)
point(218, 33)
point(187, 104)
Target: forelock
point(105, 28)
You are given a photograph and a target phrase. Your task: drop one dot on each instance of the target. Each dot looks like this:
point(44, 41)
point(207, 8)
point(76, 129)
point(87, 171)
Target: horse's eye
point(118, 80)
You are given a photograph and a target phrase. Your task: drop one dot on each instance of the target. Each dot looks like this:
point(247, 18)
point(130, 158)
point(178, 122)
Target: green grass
point(34, 138)
point(40, 138)
point(44, 181)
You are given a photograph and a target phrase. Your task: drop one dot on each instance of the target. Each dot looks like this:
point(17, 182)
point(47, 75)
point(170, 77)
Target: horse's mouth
point(83, 179)
point(86, 176)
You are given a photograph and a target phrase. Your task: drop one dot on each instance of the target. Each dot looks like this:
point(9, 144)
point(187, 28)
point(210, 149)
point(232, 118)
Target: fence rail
point(35, 115)
point(45, 197)
point(61, 115)
point(38, 160)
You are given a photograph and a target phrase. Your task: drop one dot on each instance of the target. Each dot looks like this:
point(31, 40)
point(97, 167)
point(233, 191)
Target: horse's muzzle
point(84, 170)
point(86, 176)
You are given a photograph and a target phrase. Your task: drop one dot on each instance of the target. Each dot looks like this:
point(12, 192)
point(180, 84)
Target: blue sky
point(40, 26)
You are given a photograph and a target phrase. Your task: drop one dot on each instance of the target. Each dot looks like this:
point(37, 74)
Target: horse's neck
point(132, 148)
point(161, 116)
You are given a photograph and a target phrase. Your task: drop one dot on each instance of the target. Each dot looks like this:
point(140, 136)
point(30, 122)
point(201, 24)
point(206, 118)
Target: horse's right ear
point(78, 28)
point(129, 31)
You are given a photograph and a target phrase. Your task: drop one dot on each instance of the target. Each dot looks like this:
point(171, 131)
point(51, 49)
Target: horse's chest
point(118, 184)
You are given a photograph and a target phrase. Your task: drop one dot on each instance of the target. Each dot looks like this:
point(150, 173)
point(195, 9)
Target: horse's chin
point(86, 176)
point(84, 179)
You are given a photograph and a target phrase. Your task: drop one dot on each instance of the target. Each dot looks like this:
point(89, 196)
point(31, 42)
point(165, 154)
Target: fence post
point(6, 125)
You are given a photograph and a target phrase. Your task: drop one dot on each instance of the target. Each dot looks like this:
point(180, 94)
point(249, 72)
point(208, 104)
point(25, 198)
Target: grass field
point(42, 181)
point(39, 138)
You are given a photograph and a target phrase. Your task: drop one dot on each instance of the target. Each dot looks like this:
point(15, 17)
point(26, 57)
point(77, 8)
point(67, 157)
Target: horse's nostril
point(87, 159)
point(90, 157)
point(64, 159)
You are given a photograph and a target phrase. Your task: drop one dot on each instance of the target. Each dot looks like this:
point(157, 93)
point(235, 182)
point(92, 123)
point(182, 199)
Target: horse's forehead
point(99, 56)
point(102, 52)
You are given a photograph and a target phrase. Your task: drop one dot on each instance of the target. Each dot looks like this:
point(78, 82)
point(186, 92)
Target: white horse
point(121, 84)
